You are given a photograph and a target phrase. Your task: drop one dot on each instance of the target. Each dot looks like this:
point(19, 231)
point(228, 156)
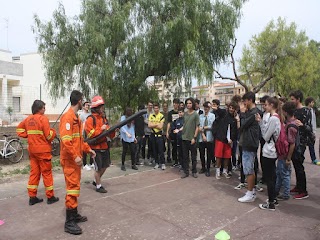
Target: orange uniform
point(37, 129)
point(72, 146)
point(93, 129)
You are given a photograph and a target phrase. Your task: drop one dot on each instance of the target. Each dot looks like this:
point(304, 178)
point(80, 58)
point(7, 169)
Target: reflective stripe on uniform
point(20, 130)
point(90, 133)
point(34, 132)
point(75, 135)
point(70, 192)
point(50, 135)
point(66, 137)
point(32, 186)
point(49, 188)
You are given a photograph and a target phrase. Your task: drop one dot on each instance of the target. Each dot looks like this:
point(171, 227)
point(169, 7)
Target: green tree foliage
point(283, 54)
point(113, 46)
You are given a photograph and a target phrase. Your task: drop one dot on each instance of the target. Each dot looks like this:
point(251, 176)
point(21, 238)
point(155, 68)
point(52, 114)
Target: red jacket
point(37, 129)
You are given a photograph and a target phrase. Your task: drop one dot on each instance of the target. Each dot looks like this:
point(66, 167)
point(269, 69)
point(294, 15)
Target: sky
point(18, 16)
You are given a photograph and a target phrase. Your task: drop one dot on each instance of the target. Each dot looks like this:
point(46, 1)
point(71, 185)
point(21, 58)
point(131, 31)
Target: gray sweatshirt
point(269, 129)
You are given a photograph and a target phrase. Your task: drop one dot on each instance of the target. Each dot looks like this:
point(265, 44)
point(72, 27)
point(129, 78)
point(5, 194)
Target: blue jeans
point(248, 159)
point(283, 178)
point(312, 152)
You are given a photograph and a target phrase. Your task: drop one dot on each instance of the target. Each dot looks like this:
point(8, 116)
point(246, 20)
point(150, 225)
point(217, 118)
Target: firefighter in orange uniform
point(37, 129)
point(72, 147)
point(94, 126)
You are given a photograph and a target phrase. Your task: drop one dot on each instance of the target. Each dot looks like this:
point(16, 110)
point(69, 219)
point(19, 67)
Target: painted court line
point(224, 225)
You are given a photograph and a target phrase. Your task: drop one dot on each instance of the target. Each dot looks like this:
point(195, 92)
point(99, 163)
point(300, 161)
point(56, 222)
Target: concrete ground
point(156, 204)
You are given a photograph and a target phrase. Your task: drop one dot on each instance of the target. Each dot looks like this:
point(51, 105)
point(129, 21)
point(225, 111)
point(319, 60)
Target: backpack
point(282, 145)
point(297, 149)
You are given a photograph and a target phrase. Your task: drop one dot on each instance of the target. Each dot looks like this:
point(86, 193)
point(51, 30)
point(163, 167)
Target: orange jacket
point(37, 129)
point(72, 144)
point(93, 131)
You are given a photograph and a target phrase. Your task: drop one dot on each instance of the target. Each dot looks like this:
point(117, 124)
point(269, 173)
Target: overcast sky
point(256, 15)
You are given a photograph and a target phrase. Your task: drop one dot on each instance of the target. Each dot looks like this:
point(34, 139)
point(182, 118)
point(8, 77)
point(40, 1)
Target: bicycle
point(12, 149)
point(55, 144)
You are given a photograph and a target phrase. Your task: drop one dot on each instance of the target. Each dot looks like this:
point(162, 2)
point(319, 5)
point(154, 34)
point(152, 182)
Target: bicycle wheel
point(14, 151)
point(55, 144)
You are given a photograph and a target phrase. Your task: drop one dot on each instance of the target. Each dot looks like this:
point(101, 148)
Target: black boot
point(70, 225)
point(53, 199)
point(78, 218)
point(34, 200)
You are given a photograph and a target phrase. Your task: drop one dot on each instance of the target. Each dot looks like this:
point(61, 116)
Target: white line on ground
point(224, 225)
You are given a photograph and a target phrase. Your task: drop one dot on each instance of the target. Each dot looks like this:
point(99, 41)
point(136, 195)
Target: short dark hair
point(297, 94)
point(128, 112)
point(192, 101)
point(150, 102)
point(141, 107)
point(308, 100)
point(181, 103)
point(234, 105)
point(206, 104)
point(156, 104)
point(249, 96)
point(176, 100)
point(283, 99)
point(289, 108)
point(216, 101)
point(181, 109)
point(197, 101)
point(75, 97)
point(236, 98)
point(274, 101)
point(164, 103)
point(85, 103)
point(264, 98)
point(37, 106)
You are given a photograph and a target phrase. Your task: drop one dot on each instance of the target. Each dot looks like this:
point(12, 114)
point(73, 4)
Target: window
point(16, 104)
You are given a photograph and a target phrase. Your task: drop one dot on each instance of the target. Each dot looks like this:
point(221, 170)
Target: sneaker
point(202, 171)
point(261, 182)
point(218, 175)
point(258, 188)
point(53, 199)
point(134, 167)
point(86, 167)
point(318, 163)
point(185, 175)
point(123, 168)
point(156, 166)
point(34, 200)
point(315, 162)
point(94, 183)
point(294, 190)
point(230, 174)
point(283, 198)
point(301, 196)
point(207, 173)
point(195, 175)
point(267, 206)
point(240, 186)
point(226, 175)
point(247, 198)
point(92, 165)
point(140, 163)
point(101, 190)
point(175, 165)
point(163, 166)
point(275, 202)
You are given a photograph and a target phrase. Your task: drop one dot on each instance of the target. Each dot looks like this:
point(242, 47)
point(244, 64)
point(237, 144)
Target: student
point(189, 136)
point(139, 133)
point(166, 140)
point(283, 170)
point(270, 133)
point(129, 140)
point(177, 127)
point(95, 125)
point(83, 117)
point(250, 132)
point(309, 102)
point(156, 121)
point(181, 105)
point(303, 116)
point(225, 132)
point(206, 138)
point(197, 108)
point(172, 116)
point(147, 133)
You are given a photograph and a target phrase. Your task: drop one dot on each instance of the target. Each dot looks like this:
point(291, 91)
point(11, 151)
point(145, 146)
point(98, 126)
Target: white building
point(22, 80)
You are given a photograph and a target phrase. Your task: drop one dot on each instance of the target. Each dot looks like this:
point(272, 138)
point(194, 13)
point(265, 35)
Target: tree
point(279, 53)
point(113, 46)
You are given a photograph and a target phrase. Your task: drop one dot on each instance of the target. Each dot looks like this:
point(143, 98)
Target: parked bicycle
point(12, 149)
point(55, 144)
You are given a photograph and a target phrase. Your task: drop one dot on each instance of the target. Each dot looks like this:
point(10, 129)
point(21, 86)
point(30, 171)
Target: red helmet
point(97, 101)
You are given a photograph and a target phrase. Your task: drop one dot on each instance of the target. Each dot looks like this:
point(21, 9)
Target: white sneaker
point(226, 175)
point(258, 188)
point(92, 166)
point(218, 175)
point(240, 186)
point(163, 166)
point(156, 166)
point(87, 167)
point(247, 198)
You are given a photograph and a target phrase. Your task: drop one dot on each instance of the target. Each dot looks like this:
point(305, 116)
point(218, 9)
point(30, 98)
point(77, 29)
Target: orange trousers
point(40, 164)
point(72, 176)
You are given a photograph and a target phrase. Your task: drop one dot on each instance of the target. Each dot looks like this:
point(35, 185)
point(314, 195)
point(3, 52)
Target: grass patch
point(115, 154)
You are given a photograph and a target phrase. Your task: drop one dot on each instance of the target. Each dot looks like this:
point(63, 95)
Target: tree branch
point(262, 84)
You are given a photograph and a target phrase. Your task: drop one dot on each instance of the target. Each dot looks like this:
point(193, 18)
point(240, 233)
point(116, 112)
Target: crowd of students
point(228, 139)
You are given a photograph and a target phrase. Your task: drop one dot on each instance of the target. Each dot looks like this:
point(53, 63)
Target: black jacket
point(220, 126)
point(250, 130)
point(139, 126)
